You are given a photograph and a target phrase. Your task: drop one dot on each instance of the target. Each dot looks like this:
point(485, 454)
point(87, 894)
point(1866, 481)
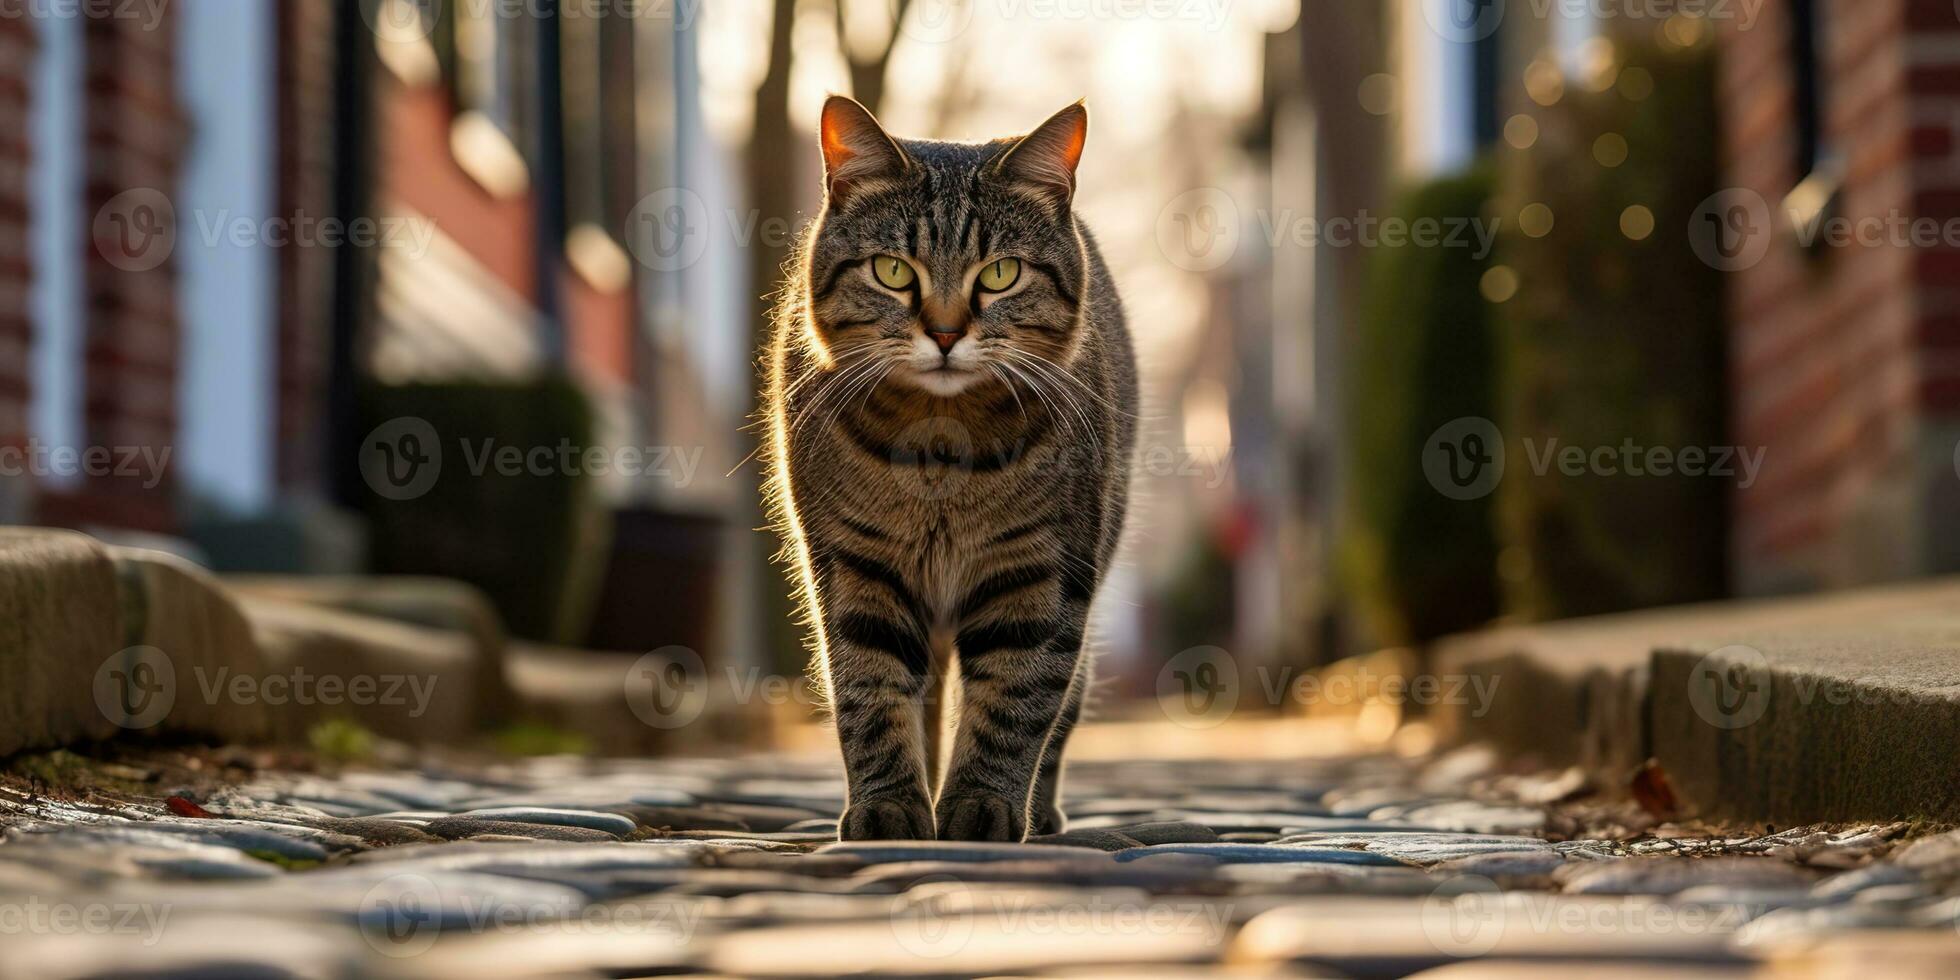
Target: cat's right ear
point(856, 150)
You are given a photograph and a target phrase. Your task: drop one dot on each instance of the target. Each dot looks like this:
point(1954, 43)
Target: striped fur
point(949, 529)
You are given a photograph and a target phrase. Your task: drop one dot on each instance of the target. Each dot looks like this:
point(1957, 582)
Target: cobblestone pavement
point(1362, 866)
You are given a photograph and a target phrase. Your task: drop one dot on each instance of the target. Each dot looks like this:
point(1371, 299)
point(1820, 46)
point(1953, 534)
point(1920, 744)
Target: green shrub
point(1416, 563)
point(1611, 339)
point(533, 539)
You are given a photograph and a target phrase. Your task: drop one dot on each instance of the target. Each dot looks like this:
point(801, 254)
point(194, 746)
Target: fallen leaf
point(1654, 791)
point(185, 808)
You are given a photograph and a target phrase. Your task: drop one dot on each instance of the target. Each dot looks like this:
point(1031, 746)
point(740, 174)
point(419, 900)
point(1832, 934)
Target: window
point(1815, 198)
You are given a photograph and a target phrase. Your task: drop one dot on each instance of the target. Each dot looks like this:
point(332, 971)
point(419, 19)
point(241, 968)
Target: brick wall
point(134, 137)
point(1836, 351)
point(1933, 84)
point(17, 45)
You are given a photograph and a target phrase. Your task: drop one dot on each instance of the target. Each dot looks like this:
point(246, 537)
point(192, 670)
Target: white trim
point(227, 292)
point(56, 236)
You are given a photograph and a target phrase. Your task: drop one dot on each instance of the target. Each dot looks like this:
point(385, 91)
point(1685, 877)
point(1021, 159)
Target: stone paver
point(1346, 867)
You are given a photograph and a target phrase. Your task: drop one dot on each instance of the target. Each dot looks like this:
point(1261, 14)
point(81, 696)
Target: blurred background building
point(259, 235)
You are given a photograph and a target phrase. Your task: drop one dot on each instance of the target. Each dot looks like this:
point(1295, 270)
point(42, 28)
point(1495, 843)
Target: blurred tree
point(1614, 340)
point(1418, 564)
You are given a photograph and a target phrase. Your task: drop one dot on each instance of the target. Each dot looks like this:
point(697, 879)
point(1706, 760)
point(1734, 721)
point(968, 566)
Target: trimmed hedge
point(534, 541)
point(1610, 341)
point(1417, 564)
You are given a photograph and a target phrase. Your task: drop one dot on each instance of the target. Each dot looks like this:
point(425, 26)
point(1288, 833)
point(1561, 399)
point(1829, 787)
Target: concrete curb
point(60, 616)
point(178, 609)
point(1607, 693)
point(404, 682)
point(1843, 723)
point(431, 603)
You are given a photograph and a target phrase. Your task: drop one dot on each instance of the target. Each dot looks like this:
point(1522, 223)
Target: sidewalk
point(1355, 865)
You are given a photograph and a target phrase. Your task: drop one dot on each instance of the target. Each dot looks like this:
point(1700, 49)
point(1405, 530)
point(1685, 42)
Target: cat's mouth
point(943, 379)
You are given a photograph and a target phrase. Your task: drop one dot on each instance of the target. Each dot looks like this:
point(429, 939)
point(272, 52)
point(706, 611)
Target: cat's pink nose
point(945, 337)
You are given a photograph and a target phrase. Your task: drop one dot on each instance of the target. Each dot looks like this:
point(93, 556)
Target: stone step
point(61, 615)
point(1607, 693)
point(98, 640)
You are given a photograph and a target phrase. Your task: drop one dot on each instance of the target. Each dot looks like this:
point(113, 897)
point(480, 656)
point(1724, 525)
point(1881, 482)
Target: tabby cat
point(952, 415)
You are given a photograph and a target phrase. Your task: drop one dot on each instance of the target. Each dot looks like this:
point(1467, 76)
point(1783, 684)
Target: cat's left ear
point(856, 150)
point(1045, 159)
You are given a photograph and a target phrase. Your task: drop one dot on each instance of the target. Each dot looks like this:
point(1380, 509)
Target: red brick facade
point(1844, 357)
point(134, 133)
point(17, 46)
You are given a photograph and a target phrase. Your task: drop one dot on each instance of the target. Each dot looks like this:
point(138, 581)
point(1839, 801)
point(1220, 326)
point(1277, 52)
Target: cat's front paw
point(885, 819)
point(981, 816)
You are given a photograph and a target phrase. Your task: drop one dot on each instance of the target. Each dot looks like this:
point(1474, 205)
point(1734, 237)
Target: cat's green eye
point(1000, 274)
point(893, 272)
